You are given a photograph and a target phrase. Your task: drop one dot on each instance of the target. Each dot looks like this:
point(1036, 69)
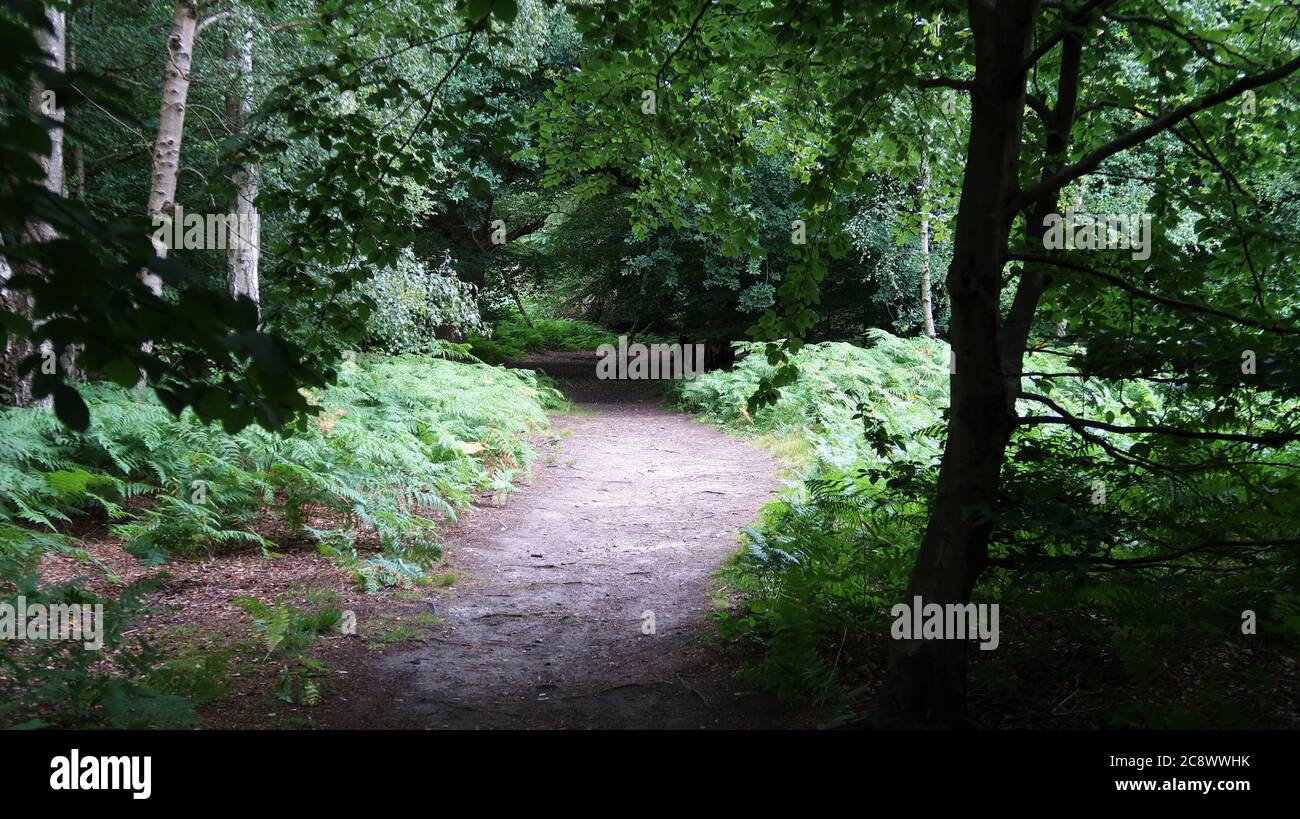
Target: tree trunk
point(927, 308)
point(242, 254)
point(1033, 279)
point(52, 44)
point(78, 174)
point(171, 124)
point(926, 681)
point(68, 359)
point(16, 347)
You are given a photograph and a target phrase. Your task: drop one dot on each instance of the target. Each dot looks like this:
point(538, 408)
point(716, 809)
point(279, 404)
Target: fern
point(285, 628)
point(400, 444)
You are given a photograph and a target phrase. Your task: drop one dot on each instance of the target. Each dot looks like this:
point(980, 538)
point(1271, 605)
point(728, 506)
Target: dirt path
point(632, 509)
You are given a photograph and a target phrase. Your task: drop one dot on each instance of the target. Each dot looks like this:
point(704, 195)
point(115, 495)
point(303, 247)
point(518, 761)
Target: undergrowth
point(514, 336)
point(825, 560)
point(399, 443)
point(822, 567)
point(845, 403)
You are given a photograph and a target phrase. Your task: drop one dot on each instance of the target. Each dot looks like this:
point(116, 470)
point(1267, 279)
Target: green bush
point(413, 300)
point(816, 569)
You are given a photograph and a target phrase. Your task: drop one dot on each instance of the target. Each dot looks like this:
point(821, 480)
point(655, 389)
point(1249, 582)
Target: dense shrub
point(894, 387)
point(414, 300)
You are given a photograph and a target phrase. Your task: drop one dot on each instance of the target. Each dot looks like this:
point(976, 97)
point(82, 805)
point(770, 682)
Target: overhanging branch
point(1065, 418)
point(1139, 135)
point(1168, 301)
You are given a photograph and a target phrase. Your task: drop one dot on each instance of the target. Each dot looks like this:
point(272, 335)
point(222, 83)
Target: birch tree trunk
point(54, 46)
point(171, 125)
point(927, 307)
point(16, 347)
point(242, 254)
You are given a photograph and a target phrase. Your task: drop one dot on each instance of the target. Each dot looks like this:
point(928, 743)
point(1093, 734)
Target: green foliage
point(895, 385)
point(59, 683)
point(822, 567)
point(372, 127)
point(414, 301)
point(399, 443)
point(884, 236)
point(296, 682)
point(76, 284)
point(514, 336)
point(827, 564)
point(392, 136)
point(285, 628)
point(197, 673)
point(815, 571)
point(288, 631)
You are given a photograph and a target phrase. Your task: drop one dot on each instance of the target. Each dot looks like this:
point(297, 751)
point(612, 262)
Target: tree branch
point(690, 32)
point(1168, 301)
point(1156, 126)
point(218, 17)
point(1064, 417)
point(1151, 561)
point(1050, 43)
point(944, 82)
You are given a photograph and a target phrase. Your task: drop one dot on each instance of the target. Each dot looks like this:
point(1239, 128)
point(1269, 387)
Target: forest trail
point(632, 509)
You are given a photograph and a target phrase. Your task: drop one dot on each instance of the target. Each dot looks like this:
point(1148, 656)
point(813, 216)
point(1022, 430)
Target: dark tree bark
point(926, 682)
